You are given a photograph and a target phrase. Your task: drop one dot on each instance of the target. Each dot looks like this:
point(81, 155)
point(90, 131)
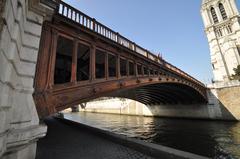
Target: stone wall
point(117, 106)
point(197, 111)
point(228, 95)
point(20, 33)
point(223, 104)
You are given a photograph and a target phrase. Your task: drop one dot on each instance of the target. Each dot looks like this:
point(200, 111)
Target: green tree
point(236, 76)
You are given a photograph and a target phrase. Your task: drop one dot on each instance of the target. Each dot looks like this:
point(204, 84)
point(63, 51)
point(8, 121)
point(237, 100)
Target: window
point(155, 73)
point(112, 61)
point(218, 32)
point(238, 49)
point(139, 69)
point(145, 70)
point(100, 64)
point(213, 66)
point(229, 29)
point(222, 11)
point(131, 68)
point(151, 72)
point(214, 15)
point(63, 64)
point(83, 62)
point(123, 67)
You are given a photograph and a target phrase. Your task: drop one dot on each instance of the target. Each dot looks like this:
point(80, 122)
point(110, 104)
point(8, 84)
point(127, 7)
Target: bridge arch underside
point(161, 94)
point(143, 90)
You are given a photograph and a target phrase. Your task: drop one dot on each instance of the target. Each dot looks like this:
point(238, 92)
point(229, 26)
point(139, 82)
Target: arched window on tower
point(214, 15)
point(219, 32)
point(229, 29)
point(238, 49)
point(222, 11)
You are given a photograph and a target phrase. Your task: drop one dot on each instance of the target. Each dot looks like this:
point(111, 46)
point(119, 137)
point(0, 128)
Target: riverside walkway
point(67, 138)
point(67, 142)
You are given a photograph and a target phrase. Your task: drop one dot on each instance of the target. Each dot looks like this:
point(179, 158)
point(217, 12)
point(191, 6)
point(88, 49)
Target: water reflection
point(208, 138)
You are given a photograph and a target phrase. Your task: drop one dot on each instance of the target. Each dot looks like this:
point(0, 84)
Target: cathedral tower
point(222, 26)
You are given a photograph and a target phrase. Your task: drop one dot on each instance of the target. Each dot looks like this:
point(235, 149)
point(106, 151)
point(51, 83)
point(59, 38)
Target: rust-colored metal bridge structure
point(80, 59)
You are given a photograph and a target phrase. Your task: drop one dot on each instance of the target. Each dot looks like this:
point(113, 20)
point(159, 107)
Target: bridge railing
point(84, 20)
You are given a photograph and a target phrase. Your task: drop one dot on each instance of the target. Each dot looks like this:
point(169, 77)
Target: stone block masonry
point(228, 95)
point(20, 32)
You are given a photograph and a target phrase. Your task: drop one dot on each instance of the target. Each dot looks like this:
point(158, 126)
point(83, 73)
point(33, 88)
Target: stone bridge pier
point(223, 104)
point(20, 31)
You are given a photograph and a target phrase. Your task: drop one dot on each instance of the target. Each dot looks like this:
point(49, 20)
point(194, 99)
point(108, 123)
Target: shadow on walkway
point(65, 142)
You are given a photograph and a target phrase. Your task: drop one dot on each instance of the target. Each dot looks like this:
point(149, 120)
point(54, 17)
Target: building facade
point(222, 27)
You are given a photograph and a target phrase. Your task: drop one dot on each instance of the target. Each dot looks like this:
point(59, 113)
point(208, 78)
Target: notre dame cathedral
point(221, 21)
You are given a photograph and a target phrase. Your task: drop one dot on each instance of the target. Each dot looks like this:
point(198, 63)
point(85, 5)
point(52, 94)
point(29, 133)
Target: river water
point(215, 139)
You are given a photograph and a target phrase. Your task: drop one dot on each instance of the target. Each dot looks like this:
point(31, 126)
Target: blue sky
point(172, 27)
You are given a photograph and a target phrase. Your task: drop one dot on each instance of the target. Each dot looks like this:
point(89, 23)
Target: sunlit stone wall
point(117, 106)
point(20, 31)
point(228, 95)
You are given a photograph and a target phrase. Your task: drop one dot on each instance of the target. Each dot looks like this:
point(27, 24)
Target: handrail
point(84, 20)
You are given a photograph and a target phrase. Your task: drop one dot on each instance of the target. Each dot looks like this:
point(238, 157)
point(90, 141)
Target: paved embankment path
point(68, 142)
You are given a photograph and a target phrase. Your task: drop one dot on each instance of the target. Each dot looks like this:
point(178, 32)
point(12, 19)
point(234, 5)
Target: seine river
point(215, 139)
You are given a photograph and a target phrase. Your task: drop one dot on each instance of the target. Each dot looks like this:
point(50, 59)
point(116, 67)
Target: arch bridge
point(81, 59)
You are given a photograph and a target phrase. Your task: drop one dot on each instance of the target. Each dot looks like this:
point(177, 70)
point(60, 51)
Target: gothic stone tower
point(222, 26)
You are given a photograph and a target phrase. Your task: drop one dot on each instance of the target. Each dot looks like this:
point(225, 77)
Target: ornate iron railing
point(84, 20)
